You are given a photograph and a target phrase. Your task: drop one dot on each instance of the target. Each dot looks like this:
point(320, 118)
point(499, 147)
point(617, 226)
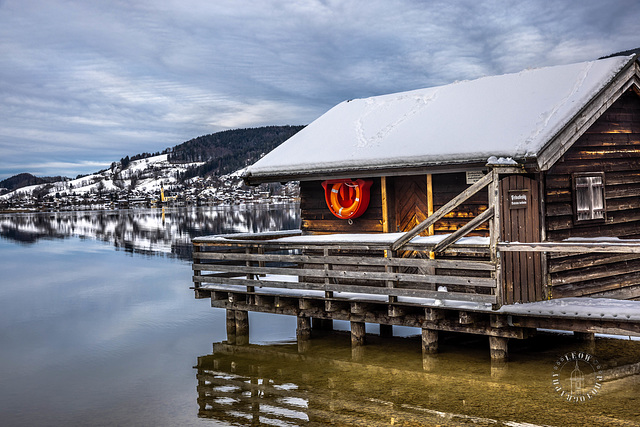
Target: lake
point(98, 326)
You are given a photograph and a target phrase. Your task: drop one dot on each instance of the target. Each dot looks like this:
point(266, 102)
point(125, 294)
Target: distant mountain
point(635, 51)
point(216, 154)
point(202, 170)
point(227, 151)
point(25, 179)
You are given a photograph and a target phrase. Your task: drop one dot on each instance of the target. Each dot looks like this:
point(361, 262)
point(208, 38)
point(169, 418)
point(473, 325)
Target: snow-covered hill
point(140, 182)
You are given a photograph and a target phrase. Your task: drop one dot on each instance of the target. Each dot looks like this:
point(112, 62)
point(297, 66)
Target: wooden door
point(411, 202)
point(520, 222)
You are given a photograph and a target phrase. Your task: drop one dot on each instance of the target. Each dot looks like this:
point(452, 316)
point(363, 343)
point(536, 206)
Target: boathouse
point(494, 206)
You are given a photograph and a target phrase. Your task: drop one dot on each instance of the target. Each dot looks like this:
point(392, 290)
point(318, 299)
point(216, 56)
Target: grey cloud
point(86, 83)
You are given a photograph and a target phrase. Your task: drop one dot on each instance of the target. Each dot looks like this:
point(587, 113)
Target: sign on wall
point(518, 199)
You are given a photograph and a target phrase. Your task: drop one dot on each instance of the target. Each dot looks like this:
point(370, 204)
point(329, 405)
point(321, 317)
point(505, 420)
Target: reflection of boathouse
point(494, 207)
point(275, 385)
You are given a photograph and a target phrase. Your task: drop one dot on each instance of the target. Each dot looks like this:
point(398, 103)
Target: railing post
point(494, 234)
point(391, 269)
point(196, 261)
point(328, 304)
point(250, 289)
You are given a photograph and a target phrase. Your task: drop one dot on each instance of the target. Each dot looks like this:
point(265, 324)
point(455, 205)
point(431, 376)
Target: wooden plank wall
point(410, 206)
point(612, 146)
point(318, 219)
point(446, 187)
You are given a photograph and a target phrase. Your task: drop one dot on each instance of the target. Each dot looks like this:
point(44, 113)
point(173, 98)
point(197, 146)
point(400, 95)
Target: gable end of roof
point(627, 79)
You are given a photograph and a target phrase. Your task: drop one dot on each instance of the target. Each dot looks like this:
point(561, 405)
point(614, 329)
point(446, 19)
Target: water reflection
point(166, 231)
point(275, 385)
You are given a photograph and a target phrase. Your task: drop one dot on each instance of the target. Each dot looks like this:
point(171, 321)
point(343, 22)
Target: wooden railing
point(352, 269)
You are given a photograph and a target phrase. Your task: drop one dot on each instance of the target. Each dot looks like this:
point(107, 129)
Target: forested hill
point(25, 179)
point(227, 151)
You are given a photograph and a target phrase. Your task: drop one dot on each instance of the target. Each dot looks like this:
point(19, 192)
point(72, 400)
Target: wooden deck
point(361, 279)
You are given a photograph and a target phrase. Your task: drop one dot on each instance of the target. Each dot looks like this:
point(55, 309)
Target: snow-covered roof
point(512, 116)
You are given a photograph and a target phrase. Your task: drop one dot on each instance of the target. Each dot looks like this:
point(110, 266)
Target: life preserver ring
point(347, 198)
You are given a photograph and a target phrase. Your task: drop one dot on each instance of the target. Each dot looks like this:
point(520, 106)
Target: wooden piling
point(231, 327)
point(429, 341)
point(357, 334)
point(498, 347)
point(303, 334)
point(585, 336)
point(242, 327)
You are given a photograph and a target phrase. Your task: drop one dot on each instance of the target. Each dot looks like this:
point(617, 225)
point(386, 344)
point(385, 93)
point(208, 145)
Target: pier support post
point(585, 336)
point(242, 327)
point(429, 349)
point(499, 349)
point(429, 341)
point(231, 327)
point(386, 330)
point(357, 334)
point(357, 340)
point(303, 333)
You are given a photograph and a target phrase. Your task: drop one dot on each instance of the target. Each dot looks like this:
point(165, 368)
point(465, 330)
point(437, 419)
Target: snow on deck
point(352, 238)
point(511, 116)
point(579, 307)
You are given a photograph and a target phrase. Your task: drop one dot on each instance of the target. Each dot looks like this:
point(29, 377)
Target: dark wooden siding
point(317, 218)
point(612, 146)
point(446, 187)
point(409, 206)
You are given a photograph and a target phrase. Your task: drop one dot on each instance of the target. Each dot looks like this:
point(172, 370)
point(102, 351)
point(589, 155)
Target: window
point(589, 196)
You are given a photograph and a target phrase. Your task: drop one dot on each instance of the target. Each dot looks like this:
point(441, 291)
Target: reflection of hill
point(150, 231)
point(274, 385)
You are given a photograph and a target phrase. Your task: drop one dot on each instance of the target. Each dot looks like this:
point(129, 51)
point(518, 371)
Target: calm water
point(98, 327)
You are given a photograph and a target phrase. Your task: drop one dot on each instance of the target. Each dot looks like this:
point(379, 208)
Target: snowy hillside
point(140, 182)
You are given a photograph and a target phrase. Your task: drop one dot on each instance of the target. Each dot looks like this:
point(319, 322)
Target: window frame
point(574, 187)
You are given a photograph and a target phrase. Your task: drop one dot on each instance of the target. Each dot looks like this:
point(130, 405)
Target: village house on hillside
point(507, 189)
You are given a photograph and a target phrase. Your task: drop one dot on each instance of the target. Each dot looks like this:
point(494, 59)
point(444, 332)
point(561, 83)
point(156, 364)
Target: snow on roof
point(511, 116)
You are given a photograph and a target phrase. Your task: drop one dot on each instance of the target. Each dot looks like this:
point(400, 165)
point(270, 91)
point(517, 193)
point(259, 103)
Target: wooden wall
point(318, 219)
point(612, 146)
point(446, 187)
point(407, 197)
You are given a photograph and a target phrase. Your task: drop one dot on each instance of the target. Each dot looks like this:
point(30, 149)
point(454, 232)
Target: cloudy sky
point(84, 83)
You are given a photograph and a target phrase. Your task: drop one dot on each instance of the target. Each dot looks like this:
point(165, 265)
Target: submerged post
point(242, 327)
point(499, 349)
point(357, 334)
point(429, 341)
point(231, 327)
point(303, 333)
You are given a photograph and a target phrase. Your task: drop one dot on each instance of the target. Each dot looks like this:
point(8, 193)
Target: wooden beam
point(355, 260)
point(440, 213)
point(341, 274)
point(494, 236)
point(464, 230)
point(385, 205)
point(431, 229)
point(218, 284)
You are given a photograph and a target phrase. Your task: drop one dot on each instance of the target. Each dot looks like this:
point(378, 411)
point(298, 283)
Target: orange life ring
point(347, 198)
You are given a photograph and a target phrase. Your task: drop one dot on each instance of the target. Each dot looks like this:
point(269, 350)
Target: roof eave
point(366, 172)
